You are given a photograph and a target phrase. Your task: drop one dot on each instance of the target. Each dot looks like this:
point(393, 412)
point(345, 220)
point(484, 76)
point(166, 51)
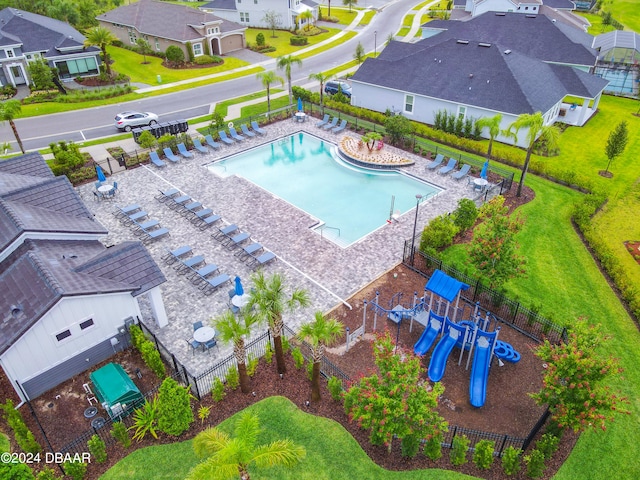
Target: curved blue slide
point(480, 373)
point(440, 355)
point(427, 338)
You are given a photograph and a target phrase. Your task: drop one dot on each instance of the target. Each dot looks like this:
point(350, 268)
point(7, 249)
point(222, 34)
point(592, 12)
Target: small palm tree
point(270, 302)
point(493, 124)
point(8, 111)
point(322, 78)
point(229, 457)
point(534, 123)
point(101, 38)
point(267, 78)
point(234, 329)
point(285, 63)
point(307, 16)
point(318, 333)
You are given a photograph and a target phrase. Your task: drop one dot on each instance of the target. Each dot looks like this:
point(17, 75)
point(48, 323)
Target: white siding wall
point(256, 10)
point(38, 350)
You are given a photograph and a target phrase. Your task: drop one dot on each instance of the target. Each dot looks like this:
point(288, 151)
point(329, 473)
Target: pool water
point(620, 81)
point(349, 202)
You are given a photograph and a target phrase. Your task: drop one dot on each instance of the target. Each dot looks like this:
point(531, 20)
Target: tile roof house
point(164, 24)
point(252, 12)
point(65, 298)
point(25, 36)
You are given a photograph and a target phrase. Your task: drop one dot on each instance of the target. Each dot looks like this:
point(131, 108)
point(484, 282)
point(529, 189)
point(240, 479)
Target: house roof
point(220, 5)
point(482, 75)
point(534, 35)
point(445, 286)
point(617, 39)
point(36, 33)
point(166, 20)
point(560, 4)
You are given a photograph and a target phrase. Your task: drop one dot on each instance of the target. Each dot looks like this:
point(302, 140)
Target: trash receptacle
point(159, 78)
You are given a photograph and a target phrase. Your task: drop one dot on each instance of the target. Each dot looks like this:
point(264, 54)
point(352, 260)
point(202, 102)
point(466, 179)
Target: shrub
point(120, 433)
point(145, 420)
point(23, 436)
point(438, 233)
point(76, 470)
point(174, 55)
point(14, 470)
point(301, 93)
point(260, 39)
point(335, 388)
point(151, 357)
point(189, 47)
point(252, 364)
point(233, 379)
point(97, 448)
point(268, 354)
point(465, 215)
point(174, 408)
point(298, 40)
point(310, 370)
point(47, 473)
point(409, 446)
point(298, 358)
point(205, 60)
point(147, 139)
point(203, 413)
point(137, 337)
point(433, 447)
point(548, 444)
point(458, 453)
point(286, 346)
point(217, 392)
point(511, 460)
point(535, 464)
point(483, 454)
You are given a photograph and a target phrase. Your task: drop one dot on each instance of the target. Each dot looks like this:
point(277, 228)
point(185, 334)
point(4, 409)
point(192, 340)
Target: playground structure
point(437, 311)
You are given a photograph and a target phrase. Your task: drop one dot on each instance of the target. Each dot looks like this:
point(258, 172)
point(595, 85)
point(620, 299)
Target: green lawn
point(281, 40)
point(596, 23)
point(627, 12)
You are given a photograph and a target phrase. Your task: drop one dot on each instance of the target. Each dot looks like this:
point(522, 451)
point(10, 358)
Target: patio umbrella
point(100, 173)
point(299, 104)
point(483, 172)
point(239, 289)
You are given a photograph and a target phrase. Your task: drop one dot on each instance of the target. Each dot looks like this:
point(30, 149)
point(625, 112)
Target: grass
point(283, 45)
point(627, 12)
point(596, 23)
point(407, 21)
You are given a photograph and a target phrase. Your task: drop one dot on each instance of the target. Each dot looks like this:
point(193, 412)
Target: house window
point(62, 335)
point(408, 103)
point(244, 17)
point(10, 53)
point(462, 112)
point(157, 44)
point(86, 324)
point(132, 36)
point(79, 67)
point(197, 49)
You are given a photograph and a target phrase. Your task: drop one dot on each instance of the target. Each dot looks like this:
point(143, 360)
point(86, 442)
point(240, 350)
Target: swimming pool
point(349, 202)
point(620, 81)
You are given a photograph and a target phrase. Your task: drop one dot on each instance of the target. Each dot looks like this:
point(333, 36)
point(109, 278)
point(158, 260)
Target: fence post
point(515, 314)
point(504, 441)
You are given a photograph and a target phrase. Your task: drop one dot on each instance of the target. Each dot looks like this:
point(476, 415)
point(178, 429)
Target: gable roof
point(445, 286)
point(536, 36)
point(220, 5)
point(166, 20)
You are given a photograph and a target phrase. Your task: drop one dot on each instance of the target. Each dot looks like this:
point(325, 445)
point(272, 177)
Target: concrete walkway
point(417, 23)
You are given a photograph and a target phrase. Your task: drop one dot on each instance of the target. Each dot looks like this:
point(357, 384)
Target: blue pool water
point(620, 81)
point(349, 202)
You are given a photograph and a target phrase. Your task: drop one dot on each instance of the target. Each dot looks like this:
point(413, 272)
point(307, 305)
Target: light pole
point(415, 225)
point(375, 43)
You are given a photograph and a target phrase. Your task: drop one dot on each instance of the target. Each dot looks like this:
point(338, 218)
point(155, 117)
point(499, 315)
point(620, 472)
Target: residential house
point(66, 299)
point(163, 24)
point(25, 36)
point(252, 12)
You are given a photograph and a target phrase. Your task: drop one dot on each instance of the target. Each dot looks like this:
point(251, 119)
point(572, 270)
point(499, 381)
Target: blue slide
point(480, 368)
point(443, 349)
point(429, 335)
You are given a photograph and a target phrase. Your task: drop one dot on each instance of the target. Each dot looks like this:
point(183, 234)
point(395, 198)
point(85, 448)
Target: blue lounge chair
point(216, 282)
point(182, 150)
point(324, 121)
point(211, 142)
point(436, 163)
point(155, 159)
point(197, 144)
point(449, 167)
point(263, 259)
point(170, 155)
point(331, 125)
point(256, 128)
point(190, 208)
point(143, 228)
point(246, 130)
point(236, 240)
point(460, 174)
point(155, 234)
point(179, 202)
point(206, 222)
point(235, 135)
point(167, 194)
point(224, 138)
point(128, 210)
point(174, 255)
point(224, 232)
point(339, 128)
point(249, 251)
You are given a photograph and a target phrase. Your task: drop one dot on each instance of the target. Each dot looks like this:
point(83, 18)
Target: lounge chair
point(213, 284)
point(128, 210)
point(143, 228)
point(179, 202)
point(436, 163)
point(200, 214)
point(225, 232)
point(197, 144)
point(460, 174)
point(235, 135)
point(211, 142)
point(249, 251)
point(324, 121)
point(224, 138)
point(256, 128)
point(184, 266)
point(206, 222)
point(246, 130)
point(165, 195)
point(134, 217)
point(155, 159)
point(155, 234)
point(203, 272)
point(339, 128)
point(173, 256)
point(170, 155)
point(449, 167)
point(182, 150)
point(236, 240)
point(331, 125)
point(263, 259)
point(190, 208)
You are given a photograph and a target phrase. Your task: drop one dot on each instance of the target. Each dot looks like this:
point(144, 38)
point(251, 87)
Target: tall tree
point(318, 333)
point(8, 111)
point(101, 38)
point(267, 78)
point(322, 78)
point(616, 143)
point(493, 126)
point(536, 129)
point(270, 301)
point(229, 457)
point(285, 63)
point(234, 329)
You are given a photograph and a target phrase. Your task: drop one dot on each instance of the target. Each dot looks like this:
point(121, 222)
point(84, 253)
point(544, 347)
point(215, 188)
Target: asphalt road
point(93, 123)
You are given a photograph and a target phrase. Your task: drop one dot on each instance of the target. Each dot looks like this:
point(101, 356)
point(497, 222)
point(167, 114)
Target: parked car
point(333, 86)
point(128, 120)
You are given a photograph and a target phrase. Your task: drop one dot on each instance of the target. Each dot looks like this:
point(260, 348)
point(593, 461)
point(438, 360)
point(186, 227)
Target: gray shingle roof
point(27, 164)
point(165, 20)
point(560, 4)
point(617, 38)
point(220, 5)
point(579, 83)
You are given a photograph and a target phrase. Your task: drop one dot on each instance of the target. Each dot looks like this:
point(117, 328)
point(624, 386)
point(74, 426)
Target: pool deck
point(328, 272)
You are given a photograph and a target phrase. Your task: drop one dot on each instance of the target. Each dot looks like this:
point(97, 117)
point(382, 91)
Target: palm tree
point(234, 329)
point(270, 301)
point(285, 64)
point(8, 111)
point(318, 333)
point(493, 124)
point(229, 457)
point(534, 123)
point(322, 78)
point(307, 16)
point(101, 37)
point(267, 78)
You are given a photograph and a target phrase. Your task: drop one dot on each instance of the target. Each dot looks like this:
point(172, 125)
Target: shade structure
point(100, 173)
point(239, 290)
point(483, 172)
point(299, 104)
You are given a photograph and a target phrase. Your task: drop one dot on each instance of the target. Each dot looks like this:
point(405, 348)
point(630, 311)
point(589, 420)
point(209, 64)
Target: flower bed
point(355, 150)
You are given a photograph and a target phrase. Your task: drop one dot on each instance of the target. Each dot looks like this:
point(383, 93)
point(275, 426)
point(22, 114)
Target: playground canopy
point(115, 390)
point(445, 286)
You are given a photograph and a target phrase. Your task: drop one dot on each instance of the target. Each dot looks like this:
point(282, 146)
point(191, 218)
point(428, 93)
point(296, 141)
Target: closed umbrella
point(239, 290)
point(100, 173)
point(299, 104)
point(483, 172)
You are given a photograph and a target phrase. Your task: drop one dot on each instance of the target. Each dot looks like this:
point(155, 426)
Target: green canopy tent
point(115, 390)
